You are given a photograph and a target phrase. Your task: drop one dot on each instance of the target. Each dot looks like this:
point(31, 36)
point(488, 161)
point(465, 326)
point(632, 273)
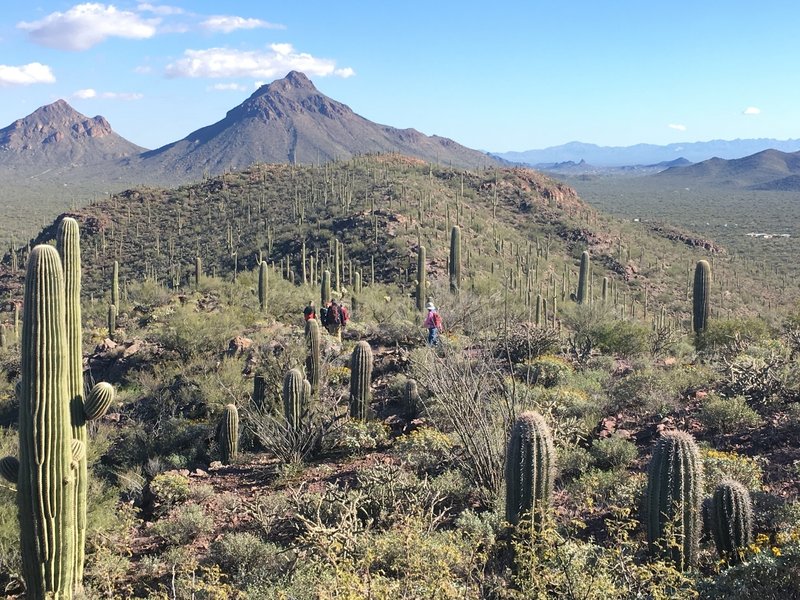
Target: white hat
point(430, 306)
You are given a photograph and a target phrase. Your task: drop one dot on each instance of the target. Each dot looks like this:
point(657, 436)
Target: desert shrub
point(183, 524)
point(547, 371)
point(757, 378)
point(613, 452)
point(644, 391)
point(248, 559)
point(621, 337)
point(596, 488)
point(729, 337)
point(190, 333)
point(572, 461)
point(169, 489)
point(718, 465)
point(727, 415)
point(426, 450)
point(360, 435)
point(525, 341)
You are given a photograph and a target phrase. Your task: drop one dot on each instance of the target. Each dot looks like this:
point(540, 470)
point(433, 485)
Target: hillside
point(218, 473)
point(767, 170)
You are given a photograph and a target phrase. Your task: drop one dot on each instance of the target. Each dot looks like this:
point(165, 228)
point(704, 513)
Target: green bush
point(727, 415)
point(547, 371)
point(718, 465)
point(183, 524)
point(426, 450)
point(248, 559)
point(613, 452)
point(623, 338)
point(731, 336)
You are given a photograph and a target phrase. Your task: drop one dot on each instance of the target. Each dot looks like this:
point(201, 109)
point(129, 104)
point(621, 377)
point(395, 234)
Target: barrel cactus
point(228, 435)
point(731, 519)
point(360, 379)
point(293, 397)
point(701, 296)
point(673, 500)
point(530, 469)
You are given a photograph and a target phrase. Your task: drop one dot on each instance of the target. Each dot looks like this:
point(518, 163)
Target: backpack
point(334, 315)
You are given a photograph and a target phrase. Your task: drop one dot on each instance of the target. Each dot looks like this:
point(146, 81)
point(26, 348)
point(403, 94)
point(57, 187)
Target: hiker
point(434, 324)
point(308, 311)
point(336, 319)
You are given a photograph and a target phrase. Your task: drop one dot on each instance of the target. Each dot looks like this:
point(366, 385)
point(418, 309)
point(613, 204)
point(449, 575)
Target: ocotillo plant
point(731, 519)
point(263, 285)
point(228, 436)
point(46, 483)
point(421, 275)
point(325, 289)
point(360, 379)
point(701, 296)
point(530, 469)
point(673, 499)
point(313, 358)
point(583, 279)
point(293, 397)
point(455, 259)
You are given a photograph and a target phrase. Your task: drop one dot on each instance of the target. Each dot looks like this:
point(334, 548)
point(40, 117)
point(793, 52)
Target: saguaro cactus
point(673, 499)
point(228, 436)
point(360, 379)
point(583, 278)
point(115, 284)
point(46, 480)
point(325, 289)
point(530, 469)
point(263, 285)
point(701, 298)
point(198, 271)
point(112, 321)
point(421, 275)
point(313, 358)
point(731, 519)
point(455, 259)
point(293, 397)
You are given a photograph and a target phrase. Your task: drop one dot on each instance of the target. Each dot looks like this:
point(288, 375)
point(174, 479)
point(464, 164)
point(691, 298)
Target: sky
point(496, 76)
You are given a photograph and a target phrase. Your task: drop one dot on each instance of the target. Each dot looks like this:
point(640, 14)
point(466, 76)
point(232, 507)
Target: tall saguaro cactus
point(325, 289)
point(673, 499)
point(115, 284)
point(46, 479)
point(360, 379)
point(455, 259)
point(583, 279)
point(293, 397)
point(263, 285)
point(313, 358)
point(530, 469)
point(701, 298)
point(421, 276)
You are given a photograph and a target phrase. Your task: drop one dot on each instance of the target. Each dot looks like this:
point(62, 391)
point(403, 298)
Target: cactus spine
point(701, 296)
point(673, 499)
point(421, 276)
point(313, 359)
point(228, 437)
point(731, 519)
point(583, 278)
point(325, 289)
point(360, 379)
point(455, 259)
point(530, 469)
point(293, 397)
point(46, 482)
point(263, 285)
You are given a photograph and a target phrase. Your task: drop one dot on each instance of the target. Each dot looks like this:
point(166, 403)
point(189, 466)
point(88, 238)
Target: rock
point(200, 473)
point(238, 345)
point(607, 427)
point(132, 348)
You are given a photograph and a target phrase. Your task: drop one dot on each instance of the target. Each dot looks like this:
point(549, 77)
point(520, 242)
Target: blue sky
point(496, 76)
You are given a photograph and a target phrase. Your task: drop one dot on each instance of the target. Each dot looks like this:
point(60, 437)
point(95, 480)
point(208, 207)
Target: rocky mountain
point(56, 136)
point(648, 154)
point(290, 121)
point(767, 170)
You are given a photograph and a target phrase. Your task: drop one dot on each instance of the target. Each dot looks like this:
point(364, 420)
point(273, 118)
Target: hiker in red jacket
point(433, 322)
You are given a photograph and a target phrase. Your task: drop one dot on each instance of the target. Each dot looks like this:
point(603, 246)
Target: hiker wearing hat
point(433, 322)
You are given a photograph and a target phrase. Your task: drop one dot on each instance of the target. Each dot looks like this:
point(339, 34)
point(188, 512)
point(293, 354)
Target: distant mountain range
point(768, 170)
point(286, 121)
point(645, 154)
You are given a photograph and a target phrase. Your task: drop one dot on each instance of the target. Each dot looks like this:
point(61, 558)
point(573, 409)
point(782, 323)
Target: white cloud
point(90, 93)
point(143, 69)
point(26, 74)
point(227, 24)
point(85, 25)
point(677, 127)
point(162, 9)
point(225, 62)
point(85, 94)
point(751, 110)
point(228, 87)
